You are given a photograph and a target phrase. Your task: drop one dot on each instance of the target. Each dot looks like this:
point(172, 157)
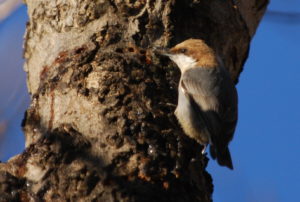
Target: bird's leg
point(204, 148)
point(170, 104)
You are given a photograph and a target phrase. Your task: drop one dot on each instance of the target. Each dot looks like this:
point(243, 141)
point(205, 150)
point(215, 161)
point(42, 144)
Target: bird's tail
point(222, 154)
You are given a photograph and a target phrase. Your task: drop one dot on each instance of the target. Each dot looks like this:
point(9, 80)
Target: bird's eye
point(183, 50)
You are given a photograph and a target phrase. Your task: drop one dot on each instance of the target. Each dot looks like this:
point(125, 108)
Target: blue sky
point(266, 147)
point(13, 92)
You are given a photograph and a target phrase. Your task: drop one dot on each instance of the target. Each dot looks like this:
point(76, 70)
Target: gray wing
point(202, 85)
point(213, 91)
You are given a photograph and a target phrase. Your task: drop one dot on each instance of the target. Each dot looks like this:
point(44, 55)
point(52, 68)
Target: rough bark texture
point(101, 126)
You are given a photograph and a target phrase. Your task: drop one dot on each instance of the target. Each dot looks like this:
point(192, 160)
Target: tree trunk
point(100, 126)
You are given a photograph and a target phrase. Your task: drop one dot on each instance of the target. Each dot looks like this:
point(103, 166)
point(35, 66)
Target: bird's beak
point(162, 51)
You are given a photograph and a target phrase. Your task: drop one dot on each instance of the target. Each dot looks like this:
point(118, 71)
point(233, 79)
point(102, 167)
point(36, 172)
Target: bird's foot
point(204, 150)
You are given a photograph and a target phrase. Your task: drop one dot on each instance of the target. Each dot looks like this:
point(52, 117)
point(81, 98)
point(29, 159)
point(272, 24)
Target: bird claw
point(203, 150)
point(170, 104)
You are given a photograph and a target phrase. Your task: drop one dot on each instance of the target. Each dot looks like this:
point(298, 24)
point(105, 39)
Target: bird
point(207, 108)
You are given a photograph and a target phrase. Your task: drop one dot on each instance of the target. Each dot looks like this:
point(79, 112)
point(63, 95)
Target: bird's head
point(193, 53)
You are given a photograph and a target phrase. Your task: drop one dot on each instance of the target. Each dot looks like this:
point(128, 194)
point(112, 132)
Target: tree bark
point(100, 126)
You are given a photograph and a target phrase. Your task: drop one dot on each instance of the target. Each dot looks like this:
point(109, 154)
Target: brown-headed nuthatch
point(207, 100)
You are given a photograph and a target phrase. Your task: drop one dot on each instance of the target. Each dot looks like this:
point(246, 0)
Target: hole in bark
point(130, 49)
point(143, 52)
point(119, 50)
point(79, 50)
